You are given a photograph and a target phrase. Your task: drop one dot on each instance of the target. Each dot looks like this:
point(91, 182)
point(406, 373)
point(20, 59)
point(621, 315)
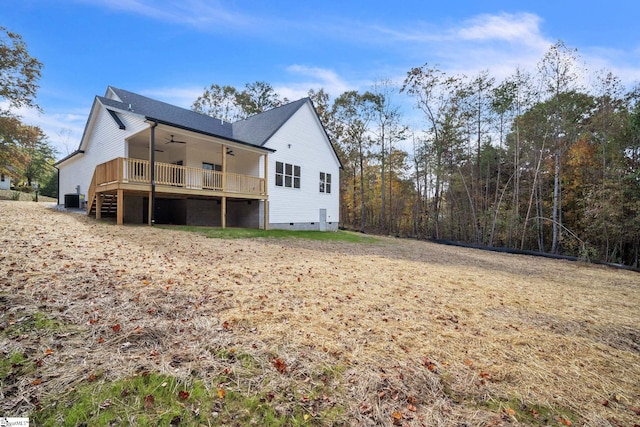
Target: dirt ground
point(424, 334)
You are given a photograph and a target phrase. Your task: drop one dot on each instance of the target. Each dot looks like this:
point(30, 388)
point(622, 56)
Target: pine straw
point(452, 332)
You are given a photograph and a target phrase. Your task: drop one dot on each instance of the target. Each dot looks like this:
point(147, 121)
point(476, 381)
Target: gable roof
point(259, 128)
point(255, 130)
point(167, 113)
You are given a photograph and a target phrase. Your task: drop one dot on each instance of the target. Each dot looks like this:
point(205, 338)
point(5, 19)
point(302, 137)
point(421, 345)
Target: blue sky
point(171, 50)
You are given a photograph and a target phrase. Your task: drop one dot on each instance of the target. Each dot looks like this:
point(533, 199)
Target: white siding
point(103, 141)
point(309, 149)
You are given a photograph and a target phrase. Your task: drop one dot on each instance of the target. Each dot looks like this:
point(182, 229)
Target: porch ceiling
point(190, 138)
point(163, 136)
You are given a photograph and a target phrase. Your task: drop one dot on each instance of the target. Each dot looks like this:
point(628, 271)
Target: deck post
point(120, 207)
point(150, 210)
point(223, 213)
point(266, 191)
point(266, 214)
point(99, 200)
point(224, 168)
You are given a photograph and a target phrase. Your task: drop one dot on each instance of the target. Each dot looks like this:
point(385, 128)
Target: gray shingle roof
point(168, 114)
point(259, 128)
point(255, 130)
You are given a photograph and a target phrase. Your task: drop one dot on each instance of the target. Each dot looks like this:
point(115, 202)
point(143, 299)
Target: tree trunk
point(556, 203)
point(362, 204)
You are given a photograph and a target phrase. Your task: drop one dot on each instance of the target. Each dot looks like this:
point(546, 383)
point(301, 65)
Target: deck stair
point(109, 205)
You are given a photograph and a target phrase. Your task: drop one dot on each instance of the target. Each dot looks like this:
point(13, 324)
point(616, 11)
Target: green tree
point(230, 104)
point(19, 72)
point(559, 74)
point(437, 96)
point(259, 97)
point(16, 141)
point(40, 159)
point(219, 102)
point(354, 112)
point(389, 130)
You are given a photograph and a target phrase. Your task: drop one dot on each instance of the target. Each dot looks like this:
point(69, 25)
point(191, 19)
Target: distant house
point(5, 182)
point(146, 161)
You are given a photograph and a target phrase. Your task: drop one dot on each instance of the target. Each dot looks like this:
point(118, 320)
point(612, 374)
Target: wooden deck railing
point(91, 193)
point(126, 170)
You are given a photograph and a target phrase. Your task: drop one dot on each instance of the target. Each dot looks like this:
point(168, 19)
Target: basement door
point(323, 220)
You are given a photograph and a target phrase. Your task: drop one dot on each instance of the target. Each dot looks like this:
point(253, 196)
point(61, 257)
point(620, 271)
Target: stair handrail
point(91, 193)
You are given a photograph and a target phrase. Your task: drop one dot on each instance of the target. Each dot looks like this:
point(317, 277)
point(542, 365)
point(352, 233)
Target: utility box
point(72, 200)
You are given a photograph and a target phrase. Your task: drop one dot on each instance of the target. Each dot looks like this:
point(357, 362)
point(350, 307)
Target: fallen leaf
point(635, 409)
point(221, 393)
point(92, 378)
point(149, 401)
point(397, 418)
point(183, 395)
point(564, 421)
point(36, 382)
point(468, 362)
point(412, 400)
point(116, 328)
point(280, 365)
point(412, 408)
point(306, 416)
point(100, 340)
point(510, 412)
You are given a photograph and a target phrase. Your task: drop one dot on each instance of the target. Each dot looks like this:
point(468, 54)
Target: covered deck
point(116, 179)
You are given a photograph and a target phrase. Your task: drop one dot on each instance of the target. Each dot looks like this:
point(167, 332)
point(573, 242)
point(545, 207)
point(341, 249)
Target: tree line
point(539, 161)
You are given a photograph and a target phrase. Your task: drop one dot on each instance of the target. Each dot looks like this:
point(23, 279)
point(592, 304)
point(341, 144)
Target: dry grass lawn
point(412, 333)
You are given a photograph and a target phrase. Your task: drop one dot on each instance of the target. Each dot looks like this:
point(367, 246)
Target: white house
point(150, 162)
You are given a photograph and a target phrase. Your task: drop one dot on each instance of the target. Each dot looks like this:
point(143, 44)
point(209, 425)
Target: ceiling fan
point(230, 152)
point(173, 141)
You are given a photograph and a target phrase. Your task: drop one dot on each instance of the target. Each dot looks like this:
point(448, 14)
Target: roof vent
point(130, 109)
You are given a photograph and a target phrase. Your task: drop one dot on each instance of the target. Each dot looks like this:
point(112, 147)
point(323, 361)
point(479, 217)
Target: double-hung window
point(325, 182)
point(287, 175)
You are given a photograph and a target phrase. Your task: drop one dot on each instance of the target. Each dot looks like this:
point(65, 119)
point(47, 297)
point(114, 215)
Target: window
point(211, 167)
point(2, 178)
point(287, 175)
point(325, 182)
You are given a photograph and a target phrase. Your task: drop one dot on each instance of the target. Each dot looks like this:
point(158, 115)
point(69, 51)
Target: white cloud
point(313, 78)
point(205, 15)
point(522, 28)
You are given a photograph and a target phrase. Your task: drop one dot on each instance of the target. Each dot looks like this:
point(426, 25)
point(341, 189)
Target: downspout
point(153, 173)
point(58, 183)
